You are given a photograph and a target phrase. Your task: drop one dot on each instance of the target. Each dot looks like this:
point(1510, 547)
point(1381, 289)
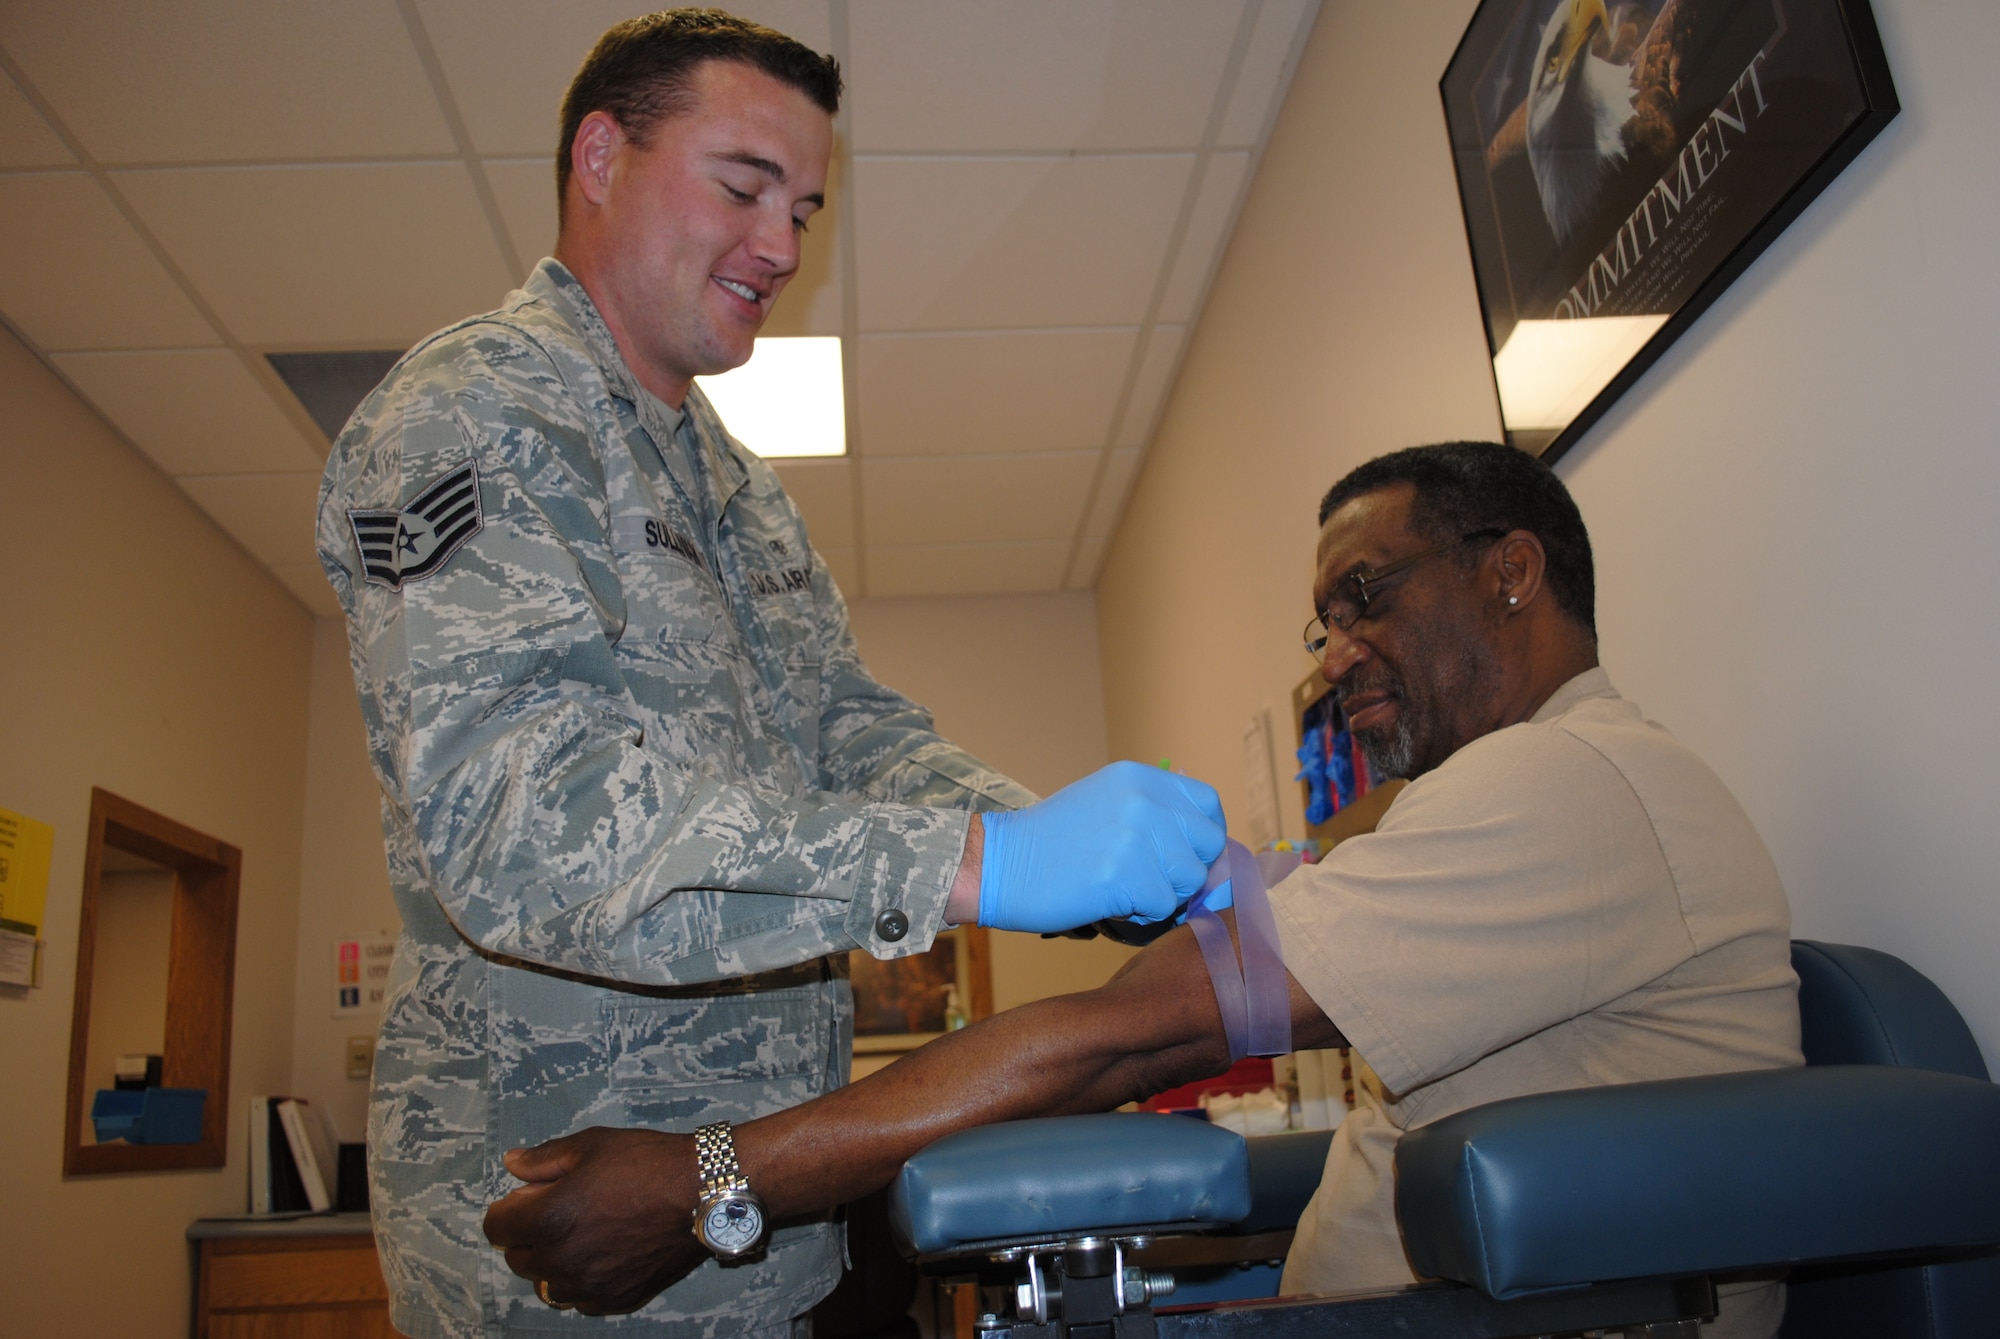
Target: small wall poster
point(361, 974)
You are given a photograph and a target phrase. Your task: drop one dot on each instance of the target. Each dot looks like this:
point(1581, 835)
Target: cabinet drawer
point(298, 1272)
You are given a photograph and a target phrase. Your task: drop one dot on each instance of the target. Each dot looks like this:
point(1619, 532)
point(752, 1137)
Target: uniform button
point(892, 925)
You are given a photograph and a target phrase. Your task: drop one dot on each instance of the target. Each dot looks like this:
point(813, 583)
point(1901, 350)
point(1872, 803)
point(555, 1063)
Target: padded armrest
point(1043, 1180)
point(1700, 1175)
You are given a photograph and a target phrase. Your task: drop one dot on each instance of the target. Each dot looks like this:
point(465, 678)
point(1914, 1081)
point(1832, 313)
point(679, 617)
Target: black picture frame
point(1600, 229)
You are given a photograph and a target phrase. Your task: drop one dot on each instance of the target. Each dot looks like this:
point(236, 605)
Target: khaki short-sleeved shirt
point(1572, 901)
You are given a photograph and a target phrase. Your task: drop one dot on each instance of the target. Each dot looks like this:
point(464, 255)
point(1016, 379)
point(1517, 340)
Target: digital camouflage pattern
point(639, 793)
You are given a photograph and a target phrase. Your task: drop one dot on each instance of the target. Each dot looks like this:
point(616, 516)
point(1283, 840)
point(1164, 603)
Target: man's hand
point(1127, 841)
point(606, 1219)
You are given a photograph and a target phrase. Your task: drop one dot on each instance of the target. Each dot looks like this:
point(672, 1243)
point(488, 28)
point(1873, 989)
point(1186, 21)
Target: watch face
point(732, 1226)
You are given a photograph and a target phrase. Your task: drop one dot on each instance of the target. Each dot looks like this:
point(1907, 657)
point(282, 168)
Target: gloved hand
point(1127, 841)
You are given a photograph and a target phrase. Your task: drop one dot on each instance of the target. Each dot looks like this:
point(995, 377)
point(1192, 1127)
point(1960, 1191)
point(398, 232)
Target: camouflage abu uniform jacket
point(636, 787)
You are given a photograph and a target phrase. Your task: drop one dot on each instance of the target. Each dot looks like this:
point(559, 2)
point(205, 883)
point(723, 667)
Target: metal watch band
point(715, 1159)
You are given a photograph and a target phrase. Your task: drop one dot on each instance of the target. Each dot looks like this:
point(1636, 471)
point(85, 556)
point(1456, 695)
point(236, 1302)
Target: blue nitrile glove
point(1127, 841)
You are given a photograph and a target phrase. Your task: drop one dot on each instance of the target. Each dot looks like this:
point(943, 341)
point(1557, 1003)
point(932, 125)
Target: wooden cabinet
point(304, 1279)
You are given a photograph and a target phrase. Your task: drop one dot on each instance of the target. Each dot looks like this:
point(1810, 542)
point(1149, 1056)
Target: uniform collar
point(709, 444)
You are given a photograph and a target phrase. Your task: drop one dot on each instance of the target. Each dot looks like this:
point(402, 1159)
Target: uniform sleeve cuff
point(909, 860)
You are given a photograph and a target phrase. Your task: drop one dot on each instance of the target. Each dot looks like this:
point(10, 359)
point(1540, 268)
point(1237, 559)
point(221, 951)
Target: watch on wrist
point(729, 1219)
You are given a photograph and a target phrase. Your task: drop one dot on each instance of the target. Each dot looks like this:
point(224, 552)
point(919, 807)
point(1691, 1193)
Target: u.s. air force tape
point(398, 547)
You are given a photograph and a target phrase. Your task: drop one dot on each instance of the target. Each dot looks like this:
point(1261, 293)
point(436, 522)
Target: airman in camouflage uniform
point(640, 795)
point(637, 787)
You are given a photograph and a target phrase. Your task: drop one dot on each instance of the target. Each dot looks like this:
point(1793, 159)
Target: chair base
point(1108, 1300)
point(1659, 1310)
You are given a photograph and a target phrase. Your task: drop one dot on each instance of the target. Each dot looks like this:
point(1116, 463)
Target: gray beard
point(1392, 757)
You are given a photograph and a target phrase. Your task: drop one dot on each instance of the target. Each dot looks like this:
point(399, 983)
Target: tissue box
point(149, 1116)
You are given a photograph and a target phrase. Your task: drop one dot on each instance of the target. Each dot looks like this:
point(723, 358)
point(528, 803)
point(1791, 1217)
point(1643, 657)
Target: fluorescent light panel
point(787, 400)
point(1550, 371)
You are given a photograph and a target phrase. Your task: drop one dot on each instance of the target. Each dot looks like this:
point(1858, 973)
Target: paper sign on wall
point(24, 871)
point(25, 846)
point(361, 974)
point(1257, 824)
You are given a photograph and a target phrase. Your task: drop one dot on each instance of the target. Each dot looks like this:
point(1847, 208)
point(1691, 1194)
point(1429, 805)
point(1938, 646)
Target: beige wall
point(1792, 510)
point(147, 654)
point(343, 883)
point(1016, 680)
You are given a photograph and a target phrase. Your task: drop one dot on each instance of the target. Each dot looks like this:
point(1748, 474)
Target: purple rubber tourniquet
point(1253, 995)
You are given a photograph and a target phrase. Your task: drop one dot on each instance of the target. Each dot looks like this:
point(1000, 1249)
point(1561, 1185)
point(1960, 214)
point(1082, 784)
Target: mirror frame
point(201, 975)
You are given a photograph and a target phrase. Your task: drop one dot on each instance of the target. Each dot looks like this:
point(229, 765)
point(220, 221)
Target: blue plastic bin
point(149, 1116)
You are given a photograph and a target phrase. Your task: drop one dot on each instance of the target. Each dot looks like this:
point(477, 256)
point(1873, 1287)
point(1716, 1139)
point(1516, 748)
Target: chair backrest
point(1860, 1006)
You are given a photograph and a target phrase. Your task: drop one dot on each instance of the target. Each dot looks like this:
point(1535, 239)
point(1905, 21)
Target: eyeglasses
point(1348, 604)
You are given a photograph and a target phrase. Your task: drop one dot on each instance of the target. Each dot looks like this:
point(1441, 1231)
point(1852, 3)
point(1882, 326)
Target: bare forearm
point(605, 1213)
point(962, 903)
point(1076, 1053)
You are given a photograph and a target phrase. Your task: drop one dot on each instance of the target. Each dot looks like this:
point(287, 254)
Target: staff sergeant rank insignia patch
point(409, 545)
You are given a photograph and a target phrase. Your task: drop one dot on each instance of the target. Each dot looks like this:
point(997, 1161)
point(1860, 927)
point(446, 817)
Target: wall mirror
point(155, 968)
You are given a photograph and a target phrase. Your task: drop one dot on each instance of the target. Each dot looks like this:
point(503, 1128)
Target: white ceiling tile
point(966, 569)
point(1119, 471)
point(974, 499)
point(1089, 559)
point(844, 566)
point(824, 493)
point(307, 582)
point(1108, 74)
point(508, 62)
point(25, 138)
point(206, 80)
point(525, 189)
point(954, 243)
point(75, 275)
point(990, 391)
point(269, 514)
point(319, 257)
point(194, 411)
point(1282, 29)
point(1208, 228)
point(1149, 390)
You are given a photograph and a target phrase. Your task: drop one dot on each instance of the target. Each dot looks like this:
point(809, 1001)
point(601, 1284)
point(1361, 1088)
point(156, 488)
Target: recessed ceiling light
point(787, 400)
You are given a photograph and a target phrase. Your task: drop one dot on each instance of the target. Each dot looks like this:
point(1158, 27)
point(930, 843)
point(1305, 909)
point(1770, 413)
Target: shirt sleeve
point(1519, 885)
point(549, 827)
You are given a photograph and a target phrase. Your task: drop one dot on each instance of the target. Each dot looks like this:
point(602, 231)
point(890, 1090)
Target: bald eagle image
point(1604, 91)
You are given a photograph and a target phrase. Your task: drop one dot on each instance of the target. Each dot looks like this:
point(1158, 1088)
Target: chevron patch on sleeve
point(398, 547)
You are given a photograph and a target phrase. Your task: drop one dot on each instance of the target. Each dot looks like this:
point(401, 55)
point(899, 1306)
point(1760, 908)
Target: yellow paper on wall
point(25, 846)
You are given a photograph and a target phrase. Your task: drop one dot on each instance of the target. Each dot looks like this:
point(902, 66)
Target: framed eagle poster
point(1620, 162)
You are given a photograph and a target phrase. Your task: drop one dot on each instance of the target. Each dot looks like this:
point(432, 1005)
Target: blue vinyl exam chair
point(1872, 1175)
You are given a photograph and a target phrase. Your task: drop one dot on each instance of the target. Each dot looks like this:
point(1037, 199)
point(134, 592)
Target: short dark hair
point(642, 71)
point(1461, 487)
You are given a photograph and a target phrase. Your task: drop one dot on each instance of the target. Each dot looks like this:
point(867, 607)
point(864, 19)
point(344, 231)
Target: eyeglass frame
point(1324, 620)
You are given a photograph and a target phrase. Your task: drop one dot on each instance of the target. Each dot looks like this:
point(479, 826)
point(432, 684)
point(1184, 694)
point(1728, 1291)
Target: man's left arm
point(607, 1217)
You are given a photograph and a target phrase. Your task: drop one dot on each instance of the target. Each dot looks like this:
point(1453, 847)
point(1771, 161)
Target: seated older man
point(1562, 896)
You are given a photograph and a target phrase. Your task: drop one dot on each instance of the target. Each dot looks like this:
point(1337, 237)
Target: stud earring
point(1513, 599)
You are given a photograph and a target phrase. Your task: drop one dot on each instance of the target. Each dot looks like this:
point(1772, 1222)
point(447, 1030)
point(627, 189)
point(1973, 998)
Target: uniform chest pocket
point(670, 593)
point(683, 1043)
